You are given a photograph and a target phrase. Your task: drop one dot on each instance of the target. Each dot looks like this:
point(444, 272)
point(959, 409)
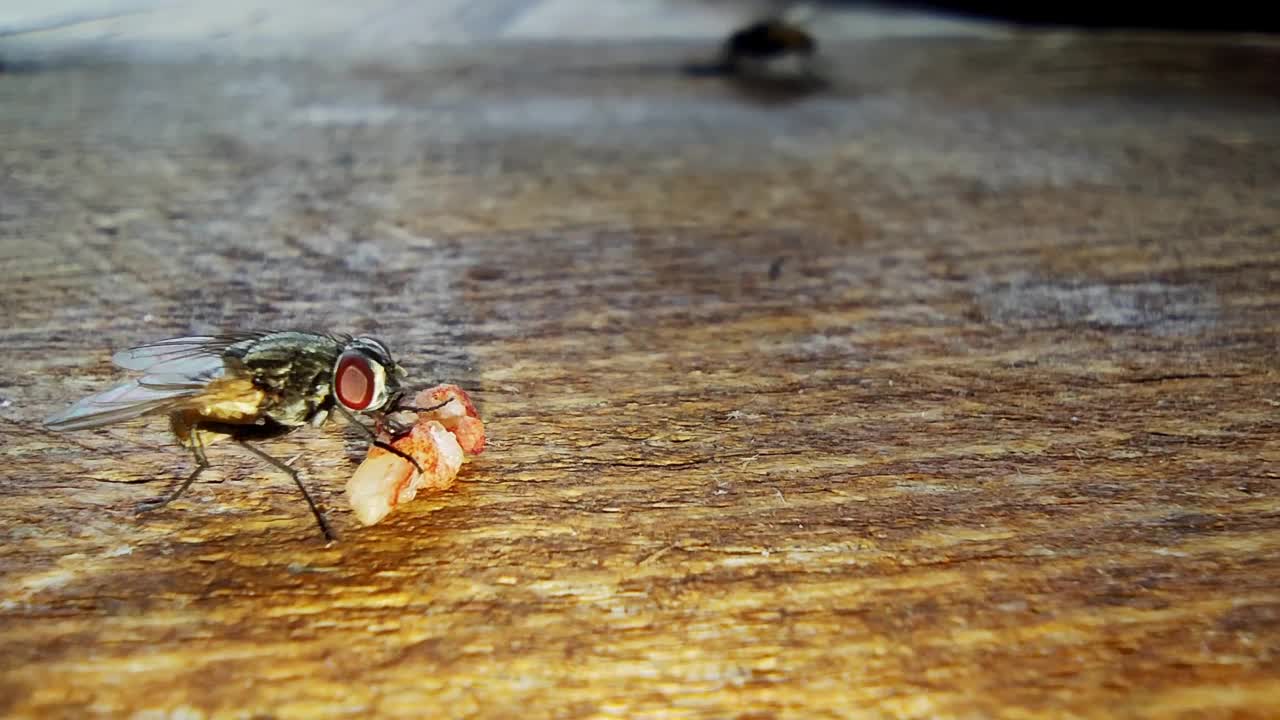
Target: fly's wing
point(176, 370)
point(183, 355)
point(123, 402)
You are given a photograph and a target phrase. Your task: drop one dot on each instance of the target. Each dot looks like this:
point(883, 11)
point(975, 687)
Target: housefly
point(770, 55)
point(768, 40)
point(247, 386)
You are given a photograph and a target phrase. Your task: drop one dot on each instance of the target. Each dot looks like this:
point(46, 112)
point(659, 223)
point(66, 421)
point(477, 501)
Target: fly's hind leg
point(189, 434)
point(315, 509)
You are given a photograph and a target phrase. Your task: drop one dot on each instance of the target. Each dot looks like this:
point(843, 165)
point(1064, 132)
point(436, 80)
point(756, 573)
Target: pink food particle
point(439, 442)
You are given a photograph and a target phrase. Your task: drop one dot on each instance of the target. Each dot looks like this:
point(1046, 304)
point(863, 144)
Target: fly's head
point(366, 379)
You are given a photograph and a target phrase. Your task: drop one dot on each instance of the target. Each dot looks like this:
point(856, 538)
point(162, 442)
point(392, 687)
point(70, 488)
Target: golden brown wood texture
point(950, 392)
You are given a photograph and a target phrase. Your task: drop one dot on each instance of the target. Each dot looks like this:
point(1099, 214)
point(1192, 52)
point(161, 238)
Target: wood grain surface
point(948, 392)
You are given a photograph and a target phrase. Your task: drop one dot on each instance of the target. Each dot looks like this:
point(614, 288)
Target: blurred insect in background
point(770, 46)
point(247, 386)
point(773, 55)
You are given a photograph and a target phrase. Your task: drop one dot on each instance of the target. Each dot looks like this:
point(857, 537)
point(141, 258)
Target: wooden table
point(948, 392)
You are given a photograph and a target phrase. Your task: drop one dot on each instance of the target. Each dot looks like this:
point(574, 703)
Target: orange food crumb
point(439, 442)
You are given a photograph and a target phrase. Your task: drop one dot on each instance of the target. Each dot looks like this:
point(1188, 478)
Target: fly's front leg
point(393, 427)
point(373, 439)
point(414, 408)
point(385, 424)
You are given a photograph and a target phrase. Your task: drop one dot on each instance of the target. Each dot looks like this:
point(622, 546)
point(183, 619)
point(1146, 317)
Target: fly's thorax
point(295, 369)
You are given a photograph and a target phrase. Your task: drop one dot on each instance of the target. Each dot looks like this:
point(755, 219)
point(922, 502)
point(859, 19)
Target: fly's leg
point(197, 452)
point(391, 426)
point(394, 427)
point(414, 408)
point(373, 439)
point(315, 509)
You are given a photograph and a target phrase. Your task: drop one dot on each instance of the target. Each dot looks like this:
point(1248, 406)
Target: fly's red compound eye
point(354, 382)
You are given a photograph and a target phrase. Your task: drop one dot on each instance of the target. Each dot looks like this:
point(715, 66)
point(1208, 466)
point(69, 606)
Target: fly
point(247, 386)
point(773, 55)
point(769, 40)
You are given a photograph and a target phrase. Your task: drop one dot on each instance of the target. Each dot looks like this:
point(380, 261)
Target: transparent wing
point(182, 355)
point(122, 402)
point(175, 370)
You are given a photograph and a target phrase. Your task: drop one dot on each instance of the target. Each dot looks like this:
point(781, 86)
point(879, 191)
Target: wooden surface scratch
point(948, 392)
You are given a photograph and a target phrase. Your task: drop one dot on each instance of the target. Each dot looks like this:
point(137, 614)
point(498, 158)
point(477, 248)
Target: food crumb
point(439, 443)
